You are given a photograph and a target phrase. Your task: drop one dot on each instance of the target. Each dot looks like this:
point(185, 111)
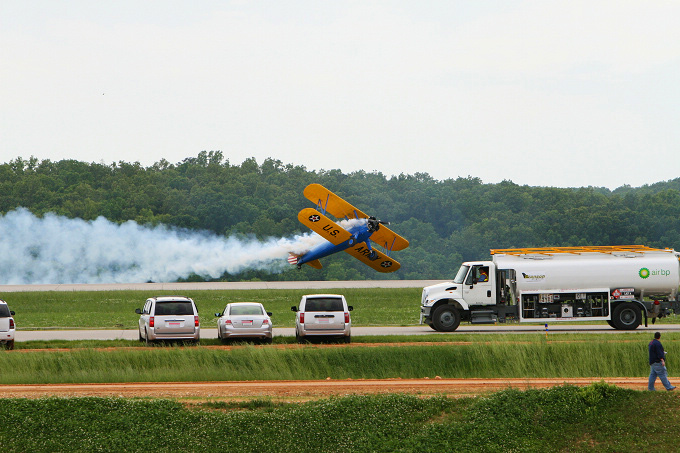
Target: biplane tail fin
point(293, 259)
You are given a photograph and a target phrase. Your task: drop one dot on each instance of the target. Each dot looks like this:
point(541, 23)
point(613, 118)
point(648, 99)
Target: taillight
point(196, 323)
point(11, 323)
point(150, 321)
point(656, 302)
point(302, 318)
point(346, 317)
point(228, 322)
point(266, 321)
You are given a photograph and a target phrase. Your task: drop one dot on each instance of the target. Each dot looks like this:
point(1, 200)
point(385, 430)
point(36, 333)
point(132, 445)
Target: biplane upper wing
point(323, 226)
point(381, 262)
point(328, 201)
point(388, 239)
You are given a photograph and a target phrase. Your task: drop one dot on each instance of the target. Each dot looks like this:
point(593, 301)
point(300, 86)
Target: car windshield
point(460, 276)
point(174, 308)
point(245, 310)
point(4, 311)
point(324, 304)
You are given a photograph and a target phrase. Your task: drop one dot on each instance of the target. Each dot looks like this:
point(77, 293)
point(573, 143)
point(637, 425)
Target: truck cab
point(475, 293)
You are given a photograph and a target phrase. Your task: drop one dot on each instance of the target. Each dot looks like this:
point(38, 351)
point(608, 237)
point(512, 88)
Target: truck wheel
point(611, 324)
point(627, 316)
point(429, 323)
point(446, 318)
point(10, 345)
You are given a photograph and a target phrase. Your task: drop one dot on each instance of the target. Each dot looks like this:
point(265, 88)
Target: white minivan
point(169, 318)
point(7, 327)
point(323, 315)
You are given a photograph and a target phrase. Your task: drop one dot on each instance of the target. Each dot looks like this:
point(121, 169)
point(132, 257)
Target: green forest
point(445, 221)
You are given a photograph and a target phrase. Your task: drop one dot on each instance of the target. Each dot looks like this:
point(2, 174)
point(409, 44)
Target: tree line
point(445, 221)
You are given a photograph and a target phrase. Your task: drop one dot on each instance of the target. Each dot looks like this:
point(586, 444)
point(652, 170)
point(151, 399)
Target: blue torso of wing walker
point(360, 233)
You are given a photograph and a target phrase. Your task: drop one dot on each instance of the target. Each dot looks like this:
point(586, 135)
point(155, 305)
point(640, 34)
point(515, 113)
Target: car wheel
point(139, 332)
point(146, 337)
point(10, 344)
point(300, 339)
point(347, 339)
point(446, 318)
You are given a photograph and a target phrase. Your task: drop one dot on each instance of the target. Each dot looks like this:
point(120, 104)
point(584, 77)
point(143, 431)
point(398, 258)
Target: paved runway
point(200, 286)
point(45, 335)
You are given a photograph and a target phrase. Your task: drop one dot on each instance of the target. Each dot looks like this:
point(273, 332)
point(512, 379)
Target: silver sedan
point(244, 320)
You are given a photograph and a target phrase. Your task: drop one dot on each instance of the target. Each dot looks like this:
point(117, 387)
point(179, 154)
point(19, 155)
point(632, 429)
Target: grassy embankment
point(481, 356)
point(566, 418)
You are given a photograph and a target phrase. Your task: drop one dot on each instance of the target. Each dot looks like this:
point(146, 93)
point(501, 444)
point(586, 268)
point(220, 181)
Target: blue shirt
point(655, 351)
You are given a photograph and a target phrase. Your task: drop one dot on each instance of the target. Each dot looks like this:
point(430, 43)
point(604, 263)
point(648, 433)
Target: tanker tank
point(650, 273)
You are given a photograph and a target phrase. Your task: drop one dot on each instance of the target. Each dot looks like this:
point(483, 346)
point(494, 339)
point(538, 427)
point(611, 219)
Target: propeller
point(374, 224)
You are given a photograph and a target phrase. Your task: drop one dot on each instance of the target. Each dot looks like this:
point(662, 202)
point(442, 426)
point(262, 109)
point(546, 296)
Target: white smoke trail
point(55, 249)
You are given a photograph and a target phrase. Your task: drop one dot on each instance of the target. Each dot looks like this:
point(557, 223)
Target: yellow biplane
point(356, 239)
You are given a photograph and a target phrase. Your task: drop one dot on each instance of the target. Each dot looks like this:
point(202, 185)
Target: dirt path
point(299, 390)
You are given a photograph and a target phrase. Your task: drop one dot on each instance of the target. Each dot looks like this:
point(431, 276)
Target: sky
point(542, 93)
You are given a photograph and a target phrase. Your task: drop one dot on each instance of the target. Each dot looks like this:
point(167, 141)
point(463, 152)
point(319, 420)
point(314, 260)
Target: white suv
point(169, 318)
point(7, 327)
point(323, 315)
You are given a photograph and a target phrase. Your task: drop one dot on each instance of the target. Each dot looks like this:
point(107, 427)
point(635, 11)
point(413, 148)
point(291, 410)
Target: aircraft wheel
point(627, 316)
point(446, 318)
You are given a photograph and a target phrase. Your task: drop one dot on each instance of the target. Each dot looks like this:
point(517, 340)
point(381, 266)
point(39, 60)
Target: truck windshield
point(460, 276)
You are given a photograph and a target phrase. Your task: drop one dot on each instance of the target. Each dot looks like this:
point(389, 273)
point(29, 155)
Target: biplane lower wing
point(331, 203)
point(323, 226)
point(373, 258)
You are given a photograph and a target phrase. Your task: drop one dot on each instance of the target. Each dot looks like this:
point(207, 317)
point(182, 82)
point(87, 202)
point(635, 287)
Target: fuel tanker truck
point(622, 285)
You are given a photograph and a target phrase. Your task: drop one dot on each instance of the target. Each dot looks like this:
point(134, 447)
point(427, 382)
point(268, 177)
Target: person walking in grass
point(657, 364)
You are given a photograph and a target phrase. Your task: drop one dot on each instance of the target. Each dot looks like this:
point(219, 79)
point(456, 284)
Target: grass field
point(566, 418)
point(116, 309)
point(471, 356)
